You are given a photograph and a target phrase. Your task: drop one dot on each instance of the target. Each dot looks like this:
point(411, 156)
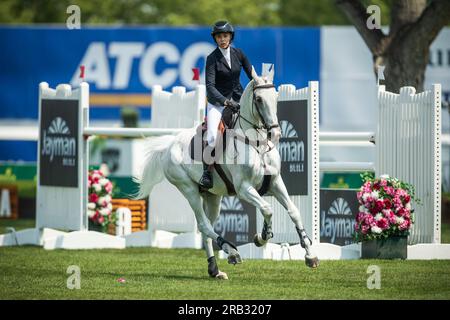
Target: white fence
point(407, 143)
point(409, 148)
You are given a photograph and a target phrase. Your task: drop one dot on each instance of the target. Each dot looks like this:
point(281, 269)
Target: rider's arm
point(245, 64)
point(212, 93)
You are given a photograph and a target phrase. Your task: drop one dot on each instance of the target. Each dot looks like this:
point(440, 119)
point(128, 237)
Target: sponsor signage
point(338, 210)
point(293, 145)
point(236, 222)
point(59, 143)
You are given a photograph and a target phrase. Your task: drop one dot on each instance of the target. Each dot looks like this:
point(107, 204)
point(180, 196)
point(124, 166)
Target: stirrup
point(206, 175)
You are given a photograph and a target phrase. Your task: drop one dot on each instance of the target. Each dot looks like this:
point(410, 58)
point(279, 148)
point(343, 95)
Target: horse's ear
point(271, 74)
point(254, 75)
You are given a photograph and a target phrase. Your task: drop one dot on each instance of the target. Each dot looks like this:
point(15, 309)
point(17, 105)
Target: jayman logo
point(57, 142)
point(338, 222)
point(291, 148)
point(58, 125)
point(231, 203)
point(233, 219)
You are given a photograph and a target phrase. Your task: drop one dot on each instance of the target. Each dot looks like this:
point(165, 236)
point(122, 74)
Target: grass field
point(150, 273)
point(34, 273)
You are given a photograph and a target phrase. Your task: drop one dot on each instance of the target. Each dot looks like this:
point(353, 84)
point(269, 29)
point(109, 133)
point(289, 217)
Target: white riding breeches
point(213, 117)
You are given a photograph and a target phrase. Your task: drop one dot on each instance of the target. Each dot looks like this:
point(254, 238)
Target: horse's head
point(264, 102)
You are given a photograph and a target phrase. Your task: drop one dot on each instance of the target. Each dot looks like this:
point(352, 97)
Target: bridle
point(265, 126)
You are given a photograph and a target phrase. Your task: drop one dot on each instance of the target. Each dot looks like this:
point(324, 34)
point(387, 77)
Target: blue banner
point(122, 63)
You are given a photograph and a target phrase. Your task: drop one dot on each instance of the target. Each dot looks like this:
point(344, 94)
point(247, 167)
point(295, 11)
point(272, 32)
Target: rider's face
point(223, 39)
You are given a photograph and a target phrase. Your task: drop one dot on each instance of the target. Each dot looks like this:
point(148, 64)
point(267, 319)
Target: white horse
point(244, 164)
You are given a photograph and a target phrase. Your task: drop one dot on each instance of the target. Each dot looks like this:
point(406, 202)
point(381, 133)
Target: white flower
point(100, 200)
point(104, 169)
point(104, 211)
point(399, 220)
point(365, 196)
point(362, 209)
point(108, 198)
point(374, 195)
point(384, 176)
point(91, 213)
point(376, 229)
point(378, 217)
point(103, 181)
point(97, 187)
point(91, 205)
point(408, 206)
point(109, 206)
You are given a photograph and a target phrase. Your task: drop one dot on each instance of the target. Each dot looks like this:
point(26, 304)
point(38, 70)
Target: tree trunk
point(405, 50)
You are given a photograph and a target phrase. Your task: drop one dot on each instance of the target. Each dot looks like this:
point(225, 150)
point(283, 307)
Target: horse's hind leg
point(180, 179)
point(211, 206)
point(278, 189)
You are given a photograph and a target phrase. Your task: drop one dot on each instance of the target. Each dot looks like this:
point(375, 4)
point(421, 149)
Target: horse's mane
point(246, 97)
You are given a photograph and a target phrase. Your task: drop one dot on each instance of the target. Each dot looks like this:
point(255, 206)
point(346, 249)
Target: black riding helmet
point(222, 27)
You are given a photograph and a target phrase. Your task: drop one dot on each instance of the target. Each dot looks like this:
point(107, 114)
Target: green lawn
point(150, 273)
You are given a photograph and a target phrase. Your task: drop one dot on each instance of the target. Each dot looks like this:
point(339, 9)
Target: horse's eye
point(258, 99)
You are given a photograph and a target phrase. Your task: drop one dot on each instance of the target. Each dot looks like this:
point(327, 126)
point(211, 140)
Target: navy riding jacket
point(222, 82)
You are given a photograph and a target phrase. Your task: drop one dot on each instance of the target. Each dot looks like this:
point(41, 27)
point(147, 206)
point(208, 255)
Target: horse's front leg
point(248, 193)
point(278, 189)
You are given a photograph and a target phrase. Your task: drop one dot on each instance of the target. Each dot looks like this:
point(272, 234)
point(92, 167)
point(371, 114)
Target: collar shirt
point(226, 54)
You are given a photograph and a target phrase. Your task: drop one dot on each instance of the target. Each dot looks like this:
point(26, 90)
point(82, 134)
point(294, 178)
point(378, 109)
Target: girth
point(230, 188)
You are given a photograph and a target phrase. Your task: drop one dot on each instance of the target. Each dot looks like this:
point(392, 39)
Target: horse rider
point(223, 87)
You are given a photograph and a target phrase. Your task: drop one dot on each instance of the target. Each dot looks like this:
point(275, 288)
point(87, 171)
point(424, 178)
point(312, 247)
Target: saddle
point(198, 144)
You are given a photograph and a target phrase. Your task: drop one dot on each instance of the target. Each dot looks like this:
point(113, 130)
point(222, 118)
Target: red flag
point(196, 73)
point(82, 72)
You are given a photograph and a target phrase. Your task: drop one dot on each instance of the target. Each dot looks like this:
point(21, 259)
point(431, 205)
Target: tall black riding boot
point(206, 181)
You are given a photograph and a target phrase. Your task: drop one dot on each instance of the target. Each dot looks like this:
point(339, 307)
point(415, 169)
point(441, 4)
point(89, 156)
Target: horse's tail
point(153, 172)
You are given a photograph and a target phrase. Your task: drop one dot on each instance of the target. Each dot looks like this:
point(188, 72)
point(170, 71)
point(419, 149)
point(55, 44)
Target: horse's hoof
point(259, 242)
point(221, 276)
point(234, 259)
point(312, 262)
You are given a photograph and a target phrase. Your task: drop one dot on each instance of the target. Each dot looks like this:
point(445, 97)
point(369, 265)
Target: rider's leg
point(214, 115)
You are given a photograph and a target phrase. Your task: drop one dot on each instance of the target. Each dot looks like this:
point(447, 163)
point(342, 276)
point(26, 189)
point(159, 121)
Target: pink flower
point(369, 220)
point(383, 223)
point(407, 198)
point(383, 183)
point(379, 205)
point(391, 217)
point(405, 225)
point(93, 197)
point(365, 229)
point(101, 219)
point(108, 187)
point(401, 212)
point(390, 191)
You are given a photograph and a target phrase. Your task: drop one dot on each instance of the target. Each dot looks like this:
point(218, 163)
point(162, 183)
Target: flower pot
point(395, 247)
point(95, 227)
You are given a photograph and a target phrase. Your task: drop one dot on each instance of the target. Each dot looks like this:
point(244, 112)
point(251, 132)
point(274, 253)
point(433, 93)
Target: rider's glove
point(234, 106)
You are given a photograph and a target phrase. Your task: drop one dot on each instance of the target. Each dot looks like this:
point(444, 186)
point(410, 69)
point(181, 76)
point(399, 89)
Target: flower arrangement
point(99, 199)
point(385, 208)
